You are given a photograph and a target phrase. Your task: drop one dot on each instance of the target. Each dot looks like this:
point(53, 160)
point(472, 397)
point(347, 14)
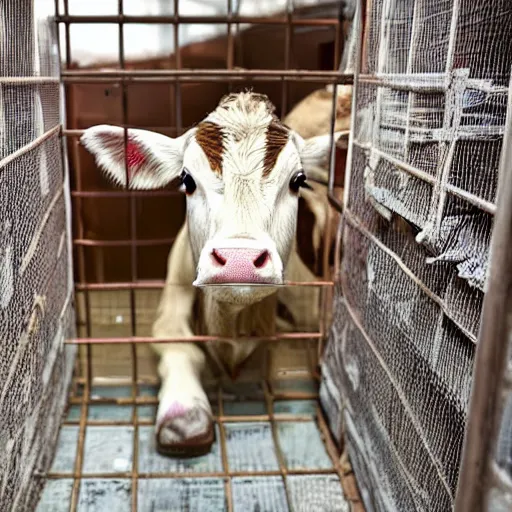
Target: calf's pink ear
point(151, 160)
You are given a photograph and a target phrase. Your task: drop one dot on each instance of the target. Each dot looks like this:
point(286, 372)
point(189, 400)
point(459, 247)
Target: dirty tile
point(74, 413)
point(146, 412)
point(245, 408)
point(65, 454)
point(150, 461)
point(293, 385)
point(250, 447)
point(297, 407)
point(316, 493)
point(56, 496)
point(302, 446)
point(176, 495)
point(108, 450)
point(111, 392)
point(259, 493)
point(98, 495)
point(148, 390)
point(109, 412)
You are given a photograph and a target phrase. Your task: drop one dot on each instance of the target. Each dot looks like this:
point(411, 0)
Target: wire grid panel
point(429, 121)
point(36, 313)
point(272, 453)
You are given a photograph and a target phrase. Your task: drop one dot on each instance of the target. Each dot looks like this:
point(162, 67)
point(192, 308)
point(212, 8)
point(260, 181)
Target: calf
point(242, 172)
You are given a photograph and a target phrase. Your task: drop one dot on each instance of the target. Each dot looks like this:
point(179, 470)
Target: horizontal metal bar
point(163, 75)
point(29, 80)
point(151, 285)
point(203, 20)
point(284, 418)
point(193, 339)
point(212, 474)
point(150, 400)
point(123, 193)
point(474, 200)
point(123, 243)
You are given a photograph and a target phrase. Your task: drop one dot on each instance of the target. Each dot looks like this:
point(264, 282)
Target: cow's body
point(243, 162)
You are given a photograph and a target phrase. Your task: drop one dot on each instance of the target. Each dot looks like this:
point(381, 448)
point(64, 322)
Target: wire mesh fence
point(430, 112)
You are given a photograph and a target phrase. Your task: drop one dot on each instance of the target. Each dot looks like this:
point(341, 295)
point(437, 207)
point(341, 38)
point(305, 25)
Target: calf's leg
point(184, 425)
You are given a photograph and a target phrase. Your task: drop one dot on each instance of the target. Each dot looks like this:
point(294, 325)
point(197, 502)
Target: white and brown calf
point(242, 173)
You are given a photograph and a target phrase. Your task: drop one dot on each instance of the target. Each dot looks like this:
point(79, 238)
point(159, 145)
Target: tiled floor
point(269, 456)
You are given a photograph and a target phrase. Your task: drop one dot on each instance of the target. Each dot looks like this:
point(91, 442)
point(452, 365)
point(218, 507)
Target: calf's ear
point(315, 151)
point(151, 161)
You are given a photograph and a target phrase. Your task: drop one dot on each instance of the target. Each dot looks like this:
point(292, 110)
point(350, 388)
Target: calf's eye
point(299, 181)
point(187, 182)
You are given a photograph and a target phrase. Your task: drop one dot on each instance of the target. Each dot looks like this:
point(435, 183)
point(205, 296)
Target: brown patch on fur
point(277, 137)
point(211, 139)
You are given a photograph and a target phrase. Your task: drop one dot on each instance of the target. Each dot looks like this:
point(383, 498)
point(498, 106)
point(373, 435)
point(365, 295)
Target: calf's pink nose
point(240, 265)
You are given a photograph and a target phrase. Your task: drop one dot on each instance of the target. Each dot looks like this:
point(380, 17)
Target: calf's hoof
point(185, 432)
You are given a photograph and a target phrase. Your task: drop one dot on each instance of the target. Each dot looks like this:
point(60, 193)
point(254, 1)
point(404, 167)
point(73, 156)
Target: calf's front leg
point(184, 424)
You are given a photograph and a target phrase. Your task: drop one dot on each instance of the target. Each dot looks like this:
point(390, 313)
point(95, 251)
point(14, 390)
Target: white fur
point(240, 208)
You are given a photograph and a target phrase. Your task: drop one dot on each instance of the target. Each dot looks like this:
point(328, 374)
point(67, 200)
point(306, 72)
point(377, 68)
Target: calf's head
point(241, 170)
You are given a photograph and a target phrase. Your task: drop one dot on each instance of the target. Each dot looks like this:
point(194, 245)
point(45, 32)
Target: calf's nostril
point(261, 260)
point(218, 258)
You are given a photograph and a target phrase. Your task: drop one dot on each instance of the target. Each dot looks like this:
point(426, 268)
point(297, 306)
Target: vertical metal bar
point(230, 57)
point(133, 261)
point(269, 401)
point(67, 34)
point(360, 28)
point(224, 452)
point(287, 53)
point(492, 347)
point(177, 85)
point(88, 350)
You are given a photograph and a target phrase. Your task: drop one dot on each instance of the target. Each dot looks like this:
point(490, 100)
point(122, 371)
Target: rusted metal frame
point(133, 260)
point(203, 20)
point(480, 203)
point(177, 86)
point(356, 223)
point(145, 400)
point(486, 407)
point(283, 470)
point(256, 78)
point(403, 399)
point(218, 74)
point(287, 53)
point(180, 475)
point(326, 296)
point(114, 194)
point(77, 473)
point(230, 49)
point(87, 242)
point(194, 339)
point(157, 285)
point(224, 452)
point(261, 418)
point(328, 440)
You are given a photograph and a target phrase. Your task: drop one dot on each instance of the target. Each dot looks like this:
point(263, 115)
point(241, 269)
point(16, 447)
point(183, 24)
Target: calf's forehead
point(244, 150)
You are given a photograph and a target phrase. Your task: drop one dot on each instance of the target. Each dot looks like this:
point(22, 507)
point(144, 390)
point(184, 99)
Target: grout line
point(223, 447)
